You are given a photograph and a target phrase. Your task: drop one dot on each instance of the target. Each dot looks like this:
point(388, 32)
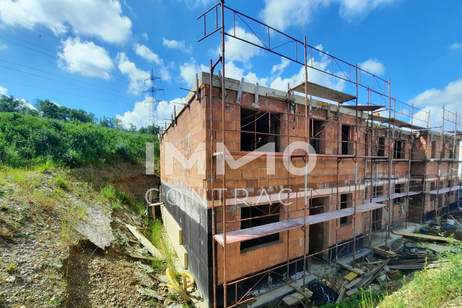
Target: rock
point(96, 227)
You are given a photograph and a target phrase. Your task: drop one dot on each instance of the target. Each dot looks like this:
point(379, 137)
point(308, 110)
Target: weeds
point(157, 238)
point(11, 267)
point(115, 197)
point(430, 287)
point(61, 182)
point(363, 299)
point(45, 199)
point(71, 217)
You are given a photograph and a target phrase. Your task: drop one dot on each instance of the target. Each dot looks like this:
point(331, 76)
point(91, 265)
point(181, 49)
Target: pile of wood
point(357, 278)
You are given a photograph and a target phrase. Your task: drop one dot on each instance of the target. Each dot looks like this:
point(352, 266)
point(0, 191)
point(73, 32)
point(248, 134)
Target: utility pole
point(152, 90)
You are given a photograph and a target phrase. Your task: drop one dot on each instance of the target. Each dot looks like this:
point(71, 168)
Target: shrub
point(27, 141)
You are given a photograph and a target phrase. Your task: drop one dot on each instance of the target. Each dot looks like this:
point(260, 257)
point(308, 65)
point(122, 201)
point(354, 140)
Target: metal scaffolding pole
point(223, 102)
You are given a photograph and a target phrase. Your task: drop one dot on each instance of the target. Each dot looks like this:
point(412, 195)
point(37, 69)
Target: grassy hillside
point(435, 287)
point(27, 140)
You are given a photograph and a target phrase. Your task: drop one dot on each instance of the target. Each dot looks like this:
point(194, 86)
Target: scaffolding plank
point(444, 190)
point(324, 92)
point(397, 123)
point(238, 236)
point(364, 107)
point(394, 196)
point(259, 231)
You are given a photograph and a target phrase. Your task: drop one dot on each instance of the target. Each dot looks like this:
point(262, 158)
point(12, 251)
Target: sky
point(97, 55)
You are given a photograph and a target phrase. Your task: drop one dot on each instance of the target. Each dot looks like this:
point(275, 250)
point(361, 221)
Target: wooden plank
point(341, 293)
point(413, 266)
point(259, 231)
point(425, 237)
point(238, 236)
point(324, 92)
point(144, 241)
point(350, 276)
point(351, 268)
point(384, 253)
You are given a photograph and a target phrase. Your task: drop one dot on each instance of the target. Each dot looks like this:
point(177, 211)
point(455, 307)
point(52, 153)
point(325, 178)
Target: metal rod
point(305, 177)
point(223, 102)
point(212, 182)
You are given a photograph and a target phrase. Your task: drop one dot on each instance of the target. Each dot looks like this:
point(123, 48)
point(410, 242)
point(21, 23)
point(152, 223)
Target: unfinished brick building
point(243, 231)
point(349, 196)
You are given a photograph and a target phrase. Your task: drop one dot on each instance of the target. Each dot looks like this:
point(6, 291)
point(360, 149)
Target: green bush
point(27, 140)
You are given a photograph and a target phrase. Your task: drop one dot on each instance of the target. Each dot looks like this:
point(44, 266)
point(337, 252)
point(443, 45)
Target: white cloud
point(373, 66)
point(455, 46)
point(174, 44)
point(188, 73)
point(26, 104)
point(232, 71)
point(85, 58)
point(237, 50)
point(3, 91)
point(278, 69)
point(431, 101)
point(284, 14)
point(100, 18)
point(189, 70)
point(145, 36)
point(147, 112)
point(3, 46)
point(146, 53)
point(354, 9)
point(138, 80)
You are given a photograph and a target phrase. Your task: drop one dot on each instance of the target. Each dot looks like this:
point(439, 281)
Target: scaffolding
point(382, 118)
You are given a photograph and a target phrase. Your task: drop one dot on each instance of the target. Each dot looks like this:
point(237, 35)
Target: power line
point(45, 52)
point(42, 74)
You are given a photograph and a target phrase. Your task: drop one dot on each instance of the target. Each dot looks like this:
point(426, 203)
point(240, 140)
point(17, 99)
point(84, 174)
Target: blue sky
point(96, 54)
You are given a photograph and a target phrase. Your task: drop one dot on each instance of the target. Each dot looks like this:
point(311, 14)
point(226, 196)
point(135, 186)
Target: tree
point(151, 129)
point(108, 122)
point(79, 115)
point(9, 104)
point(50, 110)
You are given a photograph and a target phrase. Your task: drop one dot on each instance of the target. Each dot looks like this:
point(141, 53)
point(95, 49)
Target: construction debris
point(385, 264)
point(144, 241)
point(425, 237)
point(297, 298)
point(322, 294)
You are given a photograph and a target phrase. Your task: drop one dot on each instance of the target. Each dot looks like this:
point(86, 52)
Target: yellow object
point(181, 283)
point(350, 276)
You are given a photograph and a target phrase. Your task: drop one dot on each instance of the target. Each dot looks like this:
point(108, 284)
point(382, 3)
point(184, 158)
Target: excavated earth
point(45, 262)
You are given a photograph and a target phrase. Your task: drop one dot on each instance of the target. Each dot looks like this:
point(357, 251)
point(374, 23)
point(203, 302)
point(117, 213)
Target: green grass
point(61, 182)
point(117, 199)
point(362, 299)
point(11, 267)
point(430, 287)
point(156, 233)
point(158, 239)
point(112, 195)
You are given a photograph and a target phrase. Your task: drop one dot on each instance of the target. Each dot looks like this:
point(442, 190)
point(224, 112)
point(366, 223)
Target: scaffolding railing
point(379, 111)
